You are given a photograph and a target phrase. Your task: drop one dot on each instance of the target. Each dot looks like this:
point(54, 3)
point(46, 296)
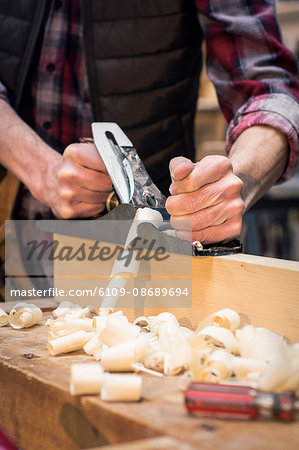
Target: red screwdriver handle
point(232, 401)
point(221, 400)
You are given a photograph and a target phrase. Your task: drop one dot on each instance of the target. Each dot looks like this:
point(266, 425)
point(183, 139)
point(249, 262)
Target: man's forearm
point(23, 152)
point(259, 157)
point(74, 184)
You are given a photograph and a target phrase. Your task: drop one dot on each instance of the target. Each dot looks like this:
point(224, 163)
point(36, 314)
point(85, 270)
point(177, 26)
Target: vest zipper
point(35, 28)
point(86, 9)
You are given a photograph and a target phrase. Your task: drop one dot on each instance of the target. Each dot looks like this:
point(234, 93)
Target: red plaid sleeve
point(253, 73)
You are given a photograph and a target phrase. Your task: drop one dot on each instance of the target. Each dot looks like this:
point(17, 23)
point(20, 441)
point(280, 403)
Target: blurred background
point(271, 227)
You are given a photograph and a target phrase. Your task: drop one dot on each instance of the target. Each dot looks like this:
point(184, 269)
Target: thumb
point(180, 168)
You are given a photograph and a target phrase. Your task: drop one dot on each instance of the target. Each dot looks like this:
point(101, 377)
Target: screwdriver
point(232, 401)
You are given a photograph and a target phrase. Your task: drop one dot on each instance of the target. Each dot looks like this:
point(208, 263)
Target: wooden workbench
point(39, 413)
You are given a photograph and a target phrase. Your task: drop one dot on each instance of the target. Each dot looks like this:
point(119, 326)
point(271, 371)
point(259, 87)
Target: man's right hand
point(76, 184)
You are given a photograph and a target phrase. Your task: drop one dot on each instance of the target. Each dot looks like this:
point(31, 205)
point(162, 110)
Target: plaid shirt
point(60, 92)
point(253, 73)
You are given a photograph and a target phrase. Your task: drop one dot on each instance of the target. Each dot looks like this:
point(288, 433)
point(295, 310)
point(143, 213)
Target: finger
point(225, 232)
point(212, 216)
point(79, 210)
point(85, 155)
point(190, 202)
point(209, 170)
point(71, 175)
point(211, 194)
point(180, 167)
point(83, 195)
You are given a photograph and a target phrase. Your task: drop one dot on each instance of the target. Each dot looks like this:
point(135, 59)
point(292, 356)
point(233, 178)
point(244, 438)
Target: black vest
point(143, 62)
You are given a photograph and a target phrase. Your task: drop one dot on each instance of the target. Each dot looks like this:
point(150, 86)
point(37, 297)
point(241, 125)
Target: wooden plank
point(38, 411)
point(263, 289)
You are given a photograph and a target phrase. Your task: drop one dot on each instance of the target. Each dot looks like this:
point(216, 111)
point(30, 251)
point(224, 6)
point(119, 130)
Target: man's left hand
point(208, 194)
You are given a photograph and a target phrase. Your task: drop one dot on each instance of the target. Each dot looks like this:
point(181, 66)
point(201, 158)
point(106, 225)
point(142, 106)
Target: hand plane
point(133, 186)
